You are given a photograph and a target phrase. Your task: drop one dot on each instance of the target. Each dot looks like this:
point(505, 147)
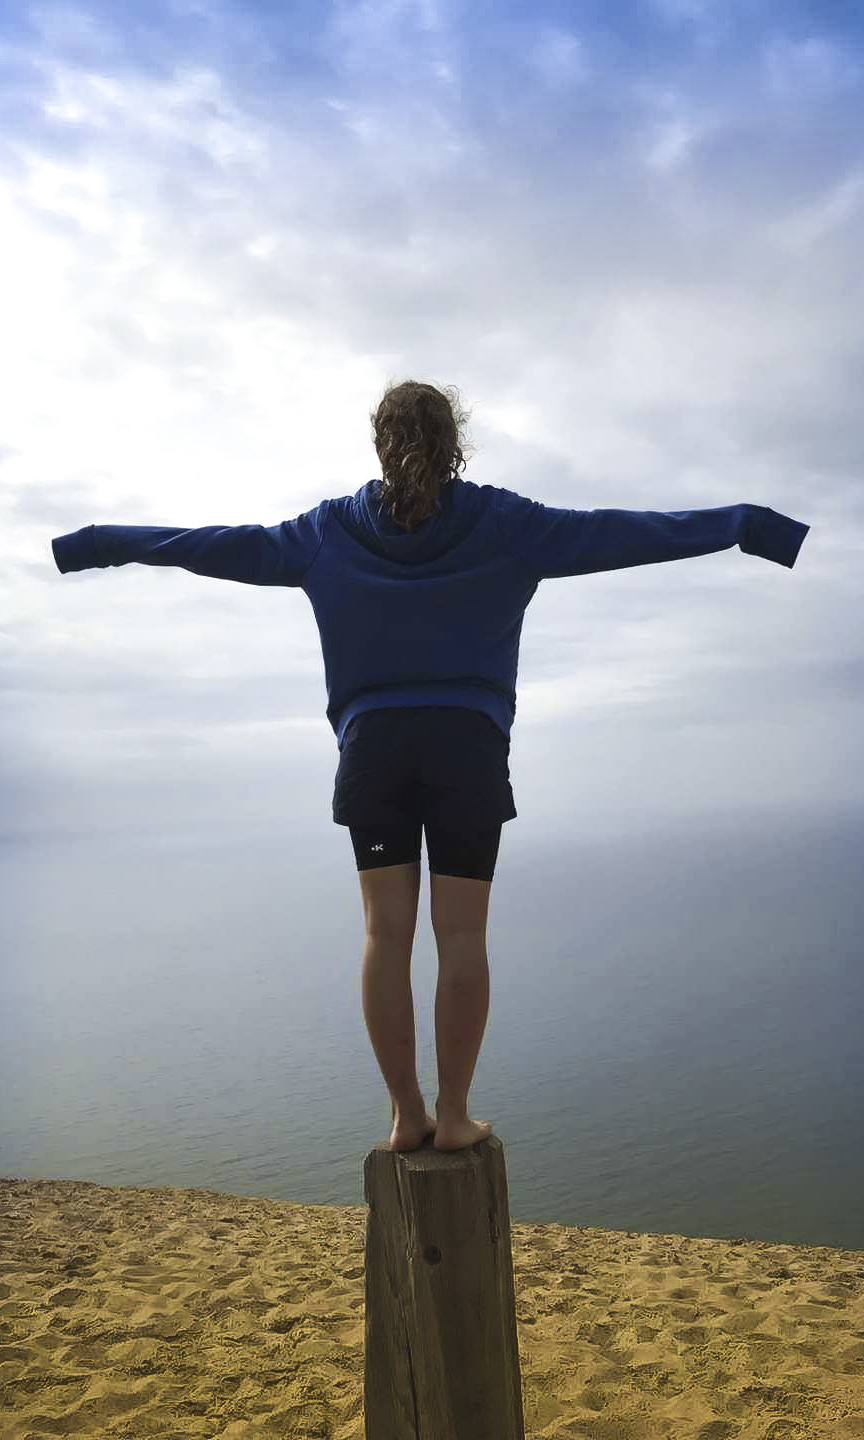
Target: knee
point(393, 938)
point(461, 950)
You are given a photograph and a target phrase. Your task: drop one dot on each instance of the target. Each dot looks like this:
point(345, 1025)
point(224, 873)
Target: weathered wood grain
point(441, 1359)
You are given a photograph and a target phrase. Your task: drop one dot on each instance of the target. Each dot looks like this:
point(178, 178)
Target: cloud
point(560, 56)
point(707, 24)
point(804, 70)
point(407, 41)
point(841, 202)
point(685, 9)
point(676, 127)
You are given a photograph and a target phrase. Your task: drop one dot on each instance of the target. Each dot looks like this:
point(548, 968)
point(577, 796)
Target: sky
point(631, 236)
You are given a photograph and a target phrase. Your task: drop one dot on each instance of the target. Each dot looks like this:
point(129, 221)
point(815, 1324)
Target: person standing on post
point(419, 583)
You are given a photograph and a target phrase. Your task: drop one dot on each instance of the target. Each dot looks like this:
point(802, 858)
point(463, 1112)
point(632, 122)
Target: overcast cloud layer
point(631, 235)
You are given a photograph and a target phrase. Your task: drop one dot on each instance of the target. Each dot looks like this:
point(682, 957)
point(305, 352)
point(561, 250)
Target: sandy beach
point(136, 1312)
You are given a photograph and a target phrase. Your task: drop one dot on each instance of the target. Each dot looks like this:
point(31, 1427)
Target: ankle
point(451, 1109)
point(409, 1109)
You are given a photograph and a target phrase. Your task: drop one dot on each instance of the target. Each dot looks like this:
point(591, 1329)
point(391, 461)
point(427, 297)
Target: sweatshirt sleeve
point(253, 554)
point(556, 542)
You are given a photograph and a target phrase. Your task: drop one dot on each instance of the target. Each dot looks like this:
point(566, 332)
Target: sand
point(186, 1312)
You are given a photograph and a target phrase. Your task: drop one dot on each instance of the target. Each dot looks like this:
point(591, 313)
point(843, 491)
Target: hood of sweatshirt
point(366, 517)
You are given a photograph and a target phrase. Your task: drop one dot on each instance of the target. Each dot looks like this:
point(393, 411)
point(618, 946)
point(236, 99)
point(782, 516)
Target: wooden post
point(442, 1358)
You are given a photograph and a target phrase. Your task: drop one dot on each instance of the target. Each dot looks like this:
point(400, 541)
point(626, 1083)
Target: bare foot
point(410, 1132)
point(459, 1134)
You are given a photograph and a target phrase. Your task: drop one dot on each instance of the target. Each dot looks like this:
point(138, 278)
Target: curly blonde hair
point(418, 434)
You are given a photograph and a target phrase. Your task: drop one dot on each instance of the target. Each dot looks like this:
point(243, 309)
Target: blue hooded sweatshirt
point(432, 616)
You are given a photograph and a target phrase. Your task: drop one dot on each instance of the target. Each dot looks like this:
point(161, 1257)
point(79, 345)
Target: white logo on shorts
point(377, 847)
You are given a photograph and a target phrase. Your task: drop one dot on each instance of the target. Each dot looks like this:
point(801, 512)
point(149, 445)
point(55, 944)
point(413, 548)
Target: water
point(674, 1038)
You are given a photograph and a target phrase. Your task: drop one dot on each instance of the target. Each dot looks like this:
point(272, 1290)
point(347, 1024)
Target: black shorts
point(442, 768)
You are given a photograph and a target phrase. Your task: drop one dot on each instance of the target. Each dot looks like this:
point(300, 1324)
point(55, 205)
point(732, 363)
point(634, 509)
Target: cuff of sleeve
point(774, 536)
point(784, 537)
point(76, 551)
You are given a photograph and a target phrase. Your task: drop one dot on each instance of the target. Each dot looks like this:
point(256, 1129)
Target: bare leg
point(388, 1007)
point(461, 1009)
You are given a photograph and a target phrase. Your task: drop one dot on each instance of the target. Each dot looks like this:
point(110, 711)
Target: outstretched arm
point(253, 554)
point(558, 542)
